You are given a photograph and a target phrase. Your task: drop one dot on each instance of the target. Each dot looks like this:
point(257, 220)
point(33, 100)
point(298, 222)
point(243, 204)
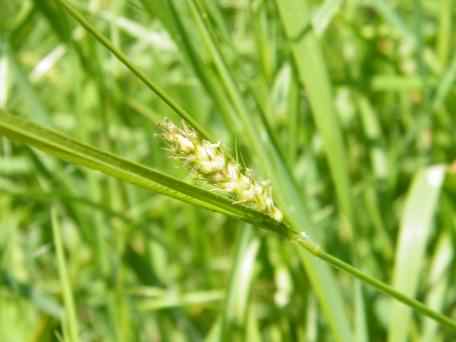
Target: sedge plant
point(136, 274)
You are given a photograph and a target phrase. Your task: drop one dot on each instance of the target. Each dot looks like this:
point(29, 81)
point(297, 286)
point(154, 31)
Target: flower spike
point(210, 163)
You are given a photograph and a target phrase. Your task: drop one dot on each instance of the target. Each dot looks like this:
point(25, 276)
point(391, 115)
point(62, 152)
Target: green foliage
point(345, 106)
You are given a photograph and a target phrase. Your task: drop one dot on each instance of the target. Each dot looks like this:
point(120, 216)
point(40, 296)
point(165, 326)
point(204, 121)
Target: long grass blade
point(331, 298)
point(63, 147)
point(272, 164)
point(238, 291)
point(415, 232)
point(67, 149)
point(438, 284)
point(139, 74)
point(312, 72)
point(70, 321)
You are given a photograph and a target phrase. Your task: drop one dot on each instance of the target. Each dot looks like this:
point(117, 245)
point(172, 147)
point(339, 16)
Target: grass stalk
point(306, 93)
point(138, 73)
point(314, 249)
point(70, 321)
point(9, 126)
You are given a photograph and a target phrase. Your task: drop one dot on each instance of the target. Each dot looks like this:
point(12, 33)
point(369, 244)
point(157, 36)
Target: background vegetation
point(347, 107)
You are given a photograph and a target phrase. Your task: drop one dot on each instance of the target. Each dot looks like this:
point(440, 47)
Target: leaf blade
point(416, 227)
point(68, 149)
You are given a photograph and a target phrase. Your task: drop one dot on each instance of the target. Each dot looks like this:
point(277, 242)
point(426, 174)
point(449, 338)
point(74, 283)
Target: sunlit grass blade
point(438, 284)
point(330, 301)
point(312, 72)
point(152, 262)
point(445, 85)
point(332, 306)
point(238, 290)
point(415, 232)
point(196, 57)
point(386, 289)
point(324, 14)
point(163, 299)
point(361, 332)
point(444, 37)
point(59, 145)
point(70, 322)
point(5, 77)
point(272, 164)
point(139, 74)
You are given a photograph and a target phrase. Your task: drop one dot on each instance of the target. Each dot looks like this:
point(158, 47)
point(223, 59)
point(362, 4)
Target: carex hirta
point(210, 163)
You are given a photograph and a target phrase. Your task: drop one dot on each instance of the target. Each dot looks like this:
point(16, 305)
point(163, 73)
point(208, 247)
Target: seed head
point(210, 163)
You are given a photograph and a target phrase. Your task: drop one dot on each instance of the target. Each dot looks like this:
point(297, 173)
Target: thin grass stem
point(317, 251)
point(124, 60)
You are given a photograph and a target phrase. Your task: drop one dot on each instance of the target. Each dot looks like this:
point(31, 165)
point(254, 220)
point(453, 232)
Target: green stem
point(124, 60)
point(71, 320)
point(300, 239)
point(65, 148)
point(444, 35)
point(316, 250)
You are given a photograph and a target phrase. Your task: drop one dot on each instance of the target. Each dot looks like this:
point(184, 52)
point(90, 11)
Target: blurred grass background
point(346, 106)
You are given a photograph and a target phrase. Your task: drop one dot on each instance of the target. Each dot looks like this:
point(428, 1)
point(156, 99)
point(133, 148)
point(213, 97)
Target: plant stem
point(108, 164)
point(70, 321)
point(124, 60)
point(53, 143)
point(317, 251)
